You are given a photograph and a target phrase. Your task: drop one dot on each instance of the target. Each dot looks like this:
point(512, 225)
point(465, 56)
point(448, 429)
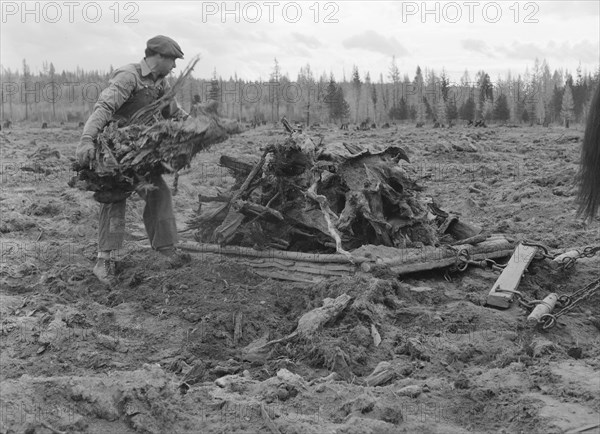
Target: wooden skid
point(308, 267)
point(504, 289)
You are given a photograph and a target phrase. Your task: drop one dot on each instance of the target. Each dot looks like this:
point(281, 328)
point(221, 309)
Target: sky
point(244, 38)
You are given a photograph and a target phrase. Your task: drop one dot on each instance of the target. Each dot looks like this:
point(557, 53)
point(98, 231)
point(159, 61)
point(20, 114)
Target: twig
point(268, 420)
point(51, 428)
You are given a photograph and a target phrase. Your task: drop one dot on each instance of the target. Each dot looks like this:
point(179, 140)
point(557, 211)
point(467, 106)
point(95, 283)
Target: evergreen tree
point(566, 109)
point(356, 85)
point(274, 94)
point(501, 110)
point(421, 112)
point(339, 108)
point(52, 73)
point(394, 76)
point(445, 85)
point(467, 110)
point(214, 90)
point(440, 112)
point(26, 74)
point(374, 99)
point(452, 110)
point(556, 103)
point(485, 93)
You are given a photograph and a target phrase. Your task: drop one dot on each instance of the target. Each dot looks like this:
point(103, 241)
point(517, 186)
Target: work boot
point(169, 252)
point(104, 270)
point(174, 256)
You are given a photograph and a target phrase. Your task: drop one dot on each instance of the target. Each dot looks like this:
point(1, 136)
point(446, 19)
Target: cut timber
point(545, 307)
point(237, 166)
point(270, 253)
point(254, 209)
point(505, 287)
point(565, 258)
point(383, 373)
point(406, 261)
point(307, 267)
point(234, 219)
point(461, 230)
point(312, 321)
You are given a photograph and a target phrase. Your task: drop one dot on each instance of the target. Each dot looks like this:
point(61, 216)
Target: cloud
point(583, 50)
point(477, 46)
point(309, 41)
point(572, 10)
point(373, 41)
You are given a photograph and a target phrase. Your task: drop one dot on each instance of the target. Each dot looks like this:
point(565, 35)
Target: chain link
point(568, 303)
point(545, 251)
point(463, 260)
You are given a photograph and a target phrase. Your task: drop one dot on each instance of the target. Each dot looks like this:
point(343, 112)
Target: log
point(545, 307)
point(308, 325)
point(296, 277)
point(472, 240)
point(247, 251)
point(461, 230)
point(203, 198)
point(382, 373)
point(237, 166)
point(307, 267)
point(330, 218)
point(226, 230)
point(253, 209)
point(312, 321)
point(429, 258)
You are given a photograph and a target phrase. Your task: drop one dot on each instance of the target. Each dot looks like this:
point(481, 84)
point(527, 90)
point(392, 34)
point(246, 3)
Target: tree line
point(537, 96)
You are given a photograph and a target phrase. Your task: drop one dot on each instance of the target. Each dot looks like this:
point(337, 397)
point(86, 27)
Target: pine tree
point(356, 84)
point(566, 109)
point(394, 76)
point(452, 110)
point(274, 95)
point(421, 112)
point(51, 72)
point(374, 99)
point(26, 74)
point(335, 100)
point(441, 112)
point(501, 110)
point(418, 84)
point(214, 90)
point(467, 110)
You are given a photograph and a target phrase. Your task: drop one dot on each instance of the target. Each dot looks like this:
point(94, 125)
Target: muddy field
point(160, 352)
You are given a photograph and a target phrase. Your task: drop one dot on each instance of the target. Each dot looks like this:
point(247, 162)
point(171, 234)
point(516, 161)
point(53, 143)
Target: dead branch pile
point(318, 198)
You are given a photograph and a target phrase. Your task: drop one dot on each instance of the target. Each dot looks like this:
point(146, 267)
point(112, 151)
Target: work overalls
point(158, 216)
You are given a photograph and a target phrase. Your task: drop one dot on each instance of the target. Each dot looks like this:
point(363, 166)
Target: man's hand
point(85, 151)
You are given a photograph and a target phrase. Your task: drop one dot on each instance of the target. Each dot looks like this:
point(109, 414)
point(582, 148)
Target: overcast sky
point(245, 37)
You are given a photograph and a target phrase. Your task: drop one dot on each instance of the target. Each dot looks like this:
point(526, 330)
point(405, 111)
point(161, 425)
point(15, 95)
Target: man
point(132, 87)
point(588, 196)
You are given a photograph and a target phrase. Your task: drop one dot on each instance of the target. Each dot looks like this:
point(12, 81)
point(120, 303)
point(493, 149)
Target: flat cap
point(165, 46)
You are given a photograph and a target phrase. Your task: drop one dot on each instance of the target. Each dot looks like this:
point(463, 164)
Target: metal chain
point(568, 302)
point(545, 251)
point(463, 260)
point(588, 252)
